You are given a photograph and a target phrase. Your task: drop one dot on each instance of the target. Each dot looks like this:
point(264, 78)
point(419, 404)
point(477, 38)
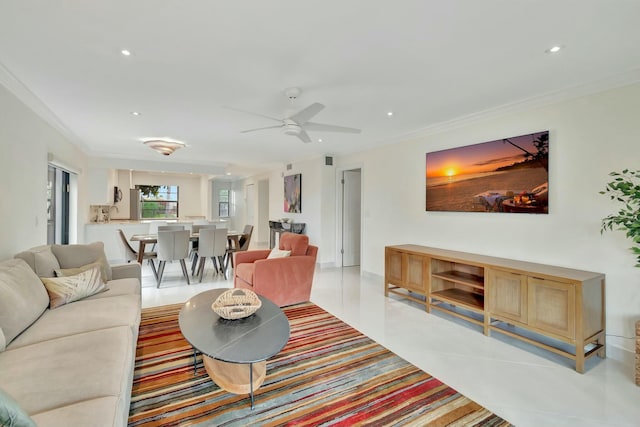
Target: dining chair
point(172, 227)
point(153, 229)
point(132, 255)
point(194, 245)
point(213, 244)
point(243, 242)
point(173, 245)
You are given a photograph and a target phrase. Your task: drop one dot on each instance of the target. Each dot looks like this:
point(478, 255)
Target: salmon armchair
point(285, 281)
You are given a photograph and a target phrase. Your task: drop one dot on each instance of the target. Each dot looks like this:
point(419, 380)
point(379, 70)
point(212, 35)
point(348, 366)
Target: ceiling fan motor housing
point(291, 128)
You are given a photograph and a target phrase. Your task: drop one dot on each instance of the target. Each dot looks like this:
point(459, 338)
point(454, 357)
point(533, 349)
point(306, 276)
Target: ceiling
point(427, 61)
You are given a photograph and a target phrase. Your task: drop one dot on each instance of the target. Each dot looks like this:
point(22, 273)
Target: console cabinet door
point(415, 279)
point(508, 295)
point(394, 269)
point(552, 307)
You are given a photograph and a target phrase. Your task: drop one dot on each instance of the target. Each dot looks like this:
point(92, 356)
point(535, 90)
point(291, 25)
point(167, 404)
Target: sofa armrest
point(242, 257)
point(126, 271)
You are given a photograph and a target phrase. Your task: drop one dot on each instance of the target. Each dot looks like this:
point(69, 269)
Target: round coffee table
point(234, 351)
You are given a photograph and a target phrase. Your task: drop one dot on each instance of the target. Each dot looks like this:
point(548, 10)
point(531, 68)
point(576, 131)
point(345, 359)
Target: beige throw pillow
point(66, 289)
point(65, 272)
point(278, 253)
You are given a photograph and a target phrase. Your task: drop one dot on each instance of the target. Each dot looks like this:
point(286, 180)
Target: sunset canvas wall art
point(506, 175)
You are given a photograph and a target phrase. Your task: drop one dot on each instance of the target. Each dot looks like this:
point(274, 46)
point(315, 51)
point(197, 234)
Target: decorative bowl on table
point(236, 304)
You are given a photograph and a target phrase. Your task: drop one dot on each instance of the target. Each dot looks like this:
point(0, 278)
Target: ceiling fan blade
point(329, 128)
point(268, 127)
point(253, 114)
point(303, 136)
point(302, 116)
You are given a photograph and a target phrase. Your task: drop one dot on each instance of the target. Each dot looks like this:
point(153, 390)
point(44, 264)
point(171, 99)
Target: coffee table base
point(237, 378)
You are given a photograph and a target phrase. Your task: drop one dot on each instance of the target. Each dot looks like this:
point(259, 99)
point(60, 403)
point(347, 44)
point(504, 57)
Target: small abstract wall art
point(506, 175)
point(292, 193)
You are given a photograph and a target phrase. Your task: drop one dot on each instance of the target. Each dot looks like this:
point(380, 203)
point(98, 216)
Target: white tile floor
point(523, 384)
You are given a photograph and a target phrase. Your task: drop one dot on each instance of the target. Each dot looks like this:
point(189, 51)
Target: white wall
point(589, 137)
point(26, 140)
point(312, 190)
point(191, 201)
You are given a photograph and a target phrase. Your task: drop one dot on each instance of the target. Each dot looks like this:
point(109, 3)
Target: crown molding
point(20, 91)
point(538, 101)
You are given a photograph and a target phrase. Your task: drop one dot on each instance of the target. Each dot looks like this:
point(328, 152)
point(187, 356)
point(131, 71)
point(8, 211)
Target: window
point(223, 203)
point(159, 201)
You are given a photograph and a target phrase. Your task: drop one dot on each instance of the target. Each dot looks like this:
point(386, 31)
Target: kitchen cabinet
point(101, 182)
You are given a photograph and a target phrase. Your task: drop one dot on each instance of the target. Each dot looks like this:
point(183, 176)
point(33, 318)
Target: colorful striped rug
point(328, 374)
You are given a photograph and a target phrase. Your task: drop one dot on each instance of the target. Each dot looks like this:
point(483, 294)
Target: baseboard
point(621, 349)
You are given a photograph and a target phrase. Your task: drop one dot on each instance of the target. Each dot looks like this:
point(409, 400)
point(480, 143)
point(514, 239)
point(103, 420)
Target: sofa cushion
point(245, 271)
point(60, 372)
point(296, 243)
point(72, 256)
point(41, 260)
point(83, 316)
point(66, 289)
point(99, 412)
point(11, 414)
point(119, 287)
point(23, 298)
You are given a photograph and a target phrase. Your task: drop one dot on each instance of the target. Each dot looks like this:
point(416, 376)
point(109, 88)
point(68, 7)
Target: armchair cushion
point(296, 243)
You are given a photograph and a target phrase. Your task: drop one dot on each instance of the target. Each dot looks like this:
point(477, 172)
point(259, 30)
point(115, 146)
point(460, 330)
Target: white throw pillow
point(66, 289)
point(278, 253)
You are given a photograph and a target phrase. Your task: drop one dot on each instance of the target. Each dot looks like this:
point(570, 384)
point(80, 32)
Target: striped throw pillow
point(66, 289)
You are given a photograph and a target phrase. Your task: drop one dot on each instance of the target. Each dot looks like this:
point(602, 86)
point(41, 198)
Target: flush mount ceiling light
point(554, 49)
point(164, 147)
point(125, 52)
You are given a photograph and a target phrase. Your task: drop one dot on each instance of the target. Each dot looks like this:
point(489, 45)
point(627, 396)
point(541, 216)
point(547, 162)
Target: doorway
point(58, 206)
point(351, 216)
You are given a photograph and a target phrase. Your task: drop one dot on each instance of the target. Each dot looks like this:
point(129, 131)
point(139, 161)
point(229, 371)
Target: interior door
point(351, 208)
point(251, 208)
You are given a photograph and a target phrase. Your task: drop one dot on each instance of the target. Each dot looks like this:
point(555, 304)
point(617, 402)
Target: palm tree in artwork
point(542, 150)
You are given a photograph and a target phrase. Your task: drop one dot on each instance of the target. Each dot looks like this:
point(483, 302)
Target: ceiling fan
point(298, 124)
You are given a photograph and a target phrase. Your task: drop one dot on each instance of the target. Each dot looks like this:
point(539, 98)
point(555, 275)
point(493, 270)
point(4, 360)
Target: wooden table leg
point(141, 252)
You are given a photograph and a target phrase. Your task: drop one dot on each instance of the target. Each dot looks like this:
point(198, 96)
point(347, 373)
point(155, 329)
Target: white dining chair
point(173, 246)
point(213, 244)
point(172, 227)
point(195, 244)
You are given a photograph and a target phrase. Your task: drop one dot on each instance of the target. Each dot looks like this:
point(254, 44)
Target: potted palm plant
point(625, 188)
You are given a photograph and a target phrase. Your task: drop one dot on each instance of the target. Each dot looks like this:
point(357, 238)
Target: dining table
point(147, 239)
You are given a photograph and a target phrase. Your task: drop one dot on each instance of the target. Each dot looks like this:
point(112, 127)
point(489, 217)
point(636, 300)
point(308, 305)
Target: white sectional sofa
point(71, 365)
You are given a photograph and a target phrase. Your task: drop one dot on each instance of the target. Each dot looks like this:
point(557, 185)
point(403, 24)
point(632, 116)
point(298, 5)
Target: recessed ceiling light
point(125, 52)
point(554, 49)
point(389, 113)
point(135, 113)
point(228, 173)
point(319, 139)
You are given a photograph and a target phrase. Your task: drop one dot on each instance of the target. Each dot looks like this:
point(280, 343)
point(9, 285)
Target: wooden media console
point(563, 304)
